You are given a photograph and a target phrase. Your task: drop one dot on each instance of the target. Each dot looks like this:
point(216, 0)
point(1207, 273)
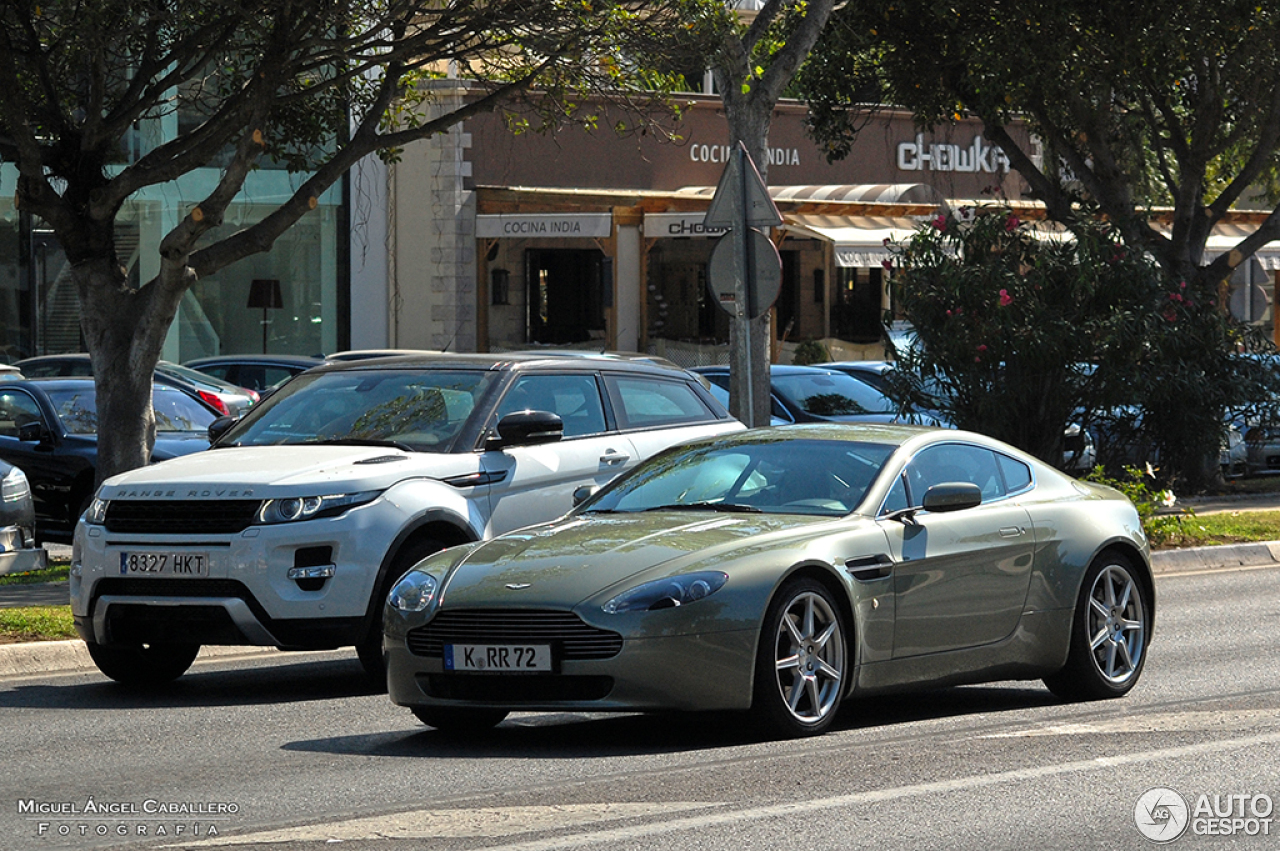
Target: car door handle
point(612, 457)
point(868, 568)
point(1012, 532)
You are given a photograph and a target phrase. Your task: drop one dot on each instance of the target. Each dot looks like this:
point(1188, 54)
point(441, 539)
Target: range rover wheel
point(370, 649)
point(143, 664)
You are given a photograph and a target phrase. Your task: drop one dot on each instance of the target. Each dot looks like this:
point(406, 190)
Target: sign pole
point(742, 288)
point(748, 264)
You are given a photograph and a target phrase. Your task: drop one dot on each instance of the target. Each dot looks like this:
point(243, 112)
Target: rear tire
point(370, 649)
point(451, 720)
point(1109, 633)
point(143, 664)
point(801, 663)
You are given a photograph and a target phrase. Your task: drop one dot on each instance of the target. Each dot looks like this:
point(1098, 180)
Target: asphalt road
point(290, 752)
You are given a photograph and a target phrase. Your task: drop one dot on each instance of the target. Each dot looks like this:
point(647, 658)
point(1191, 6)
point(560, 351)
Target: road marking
point(513, 820)
point(459, 823)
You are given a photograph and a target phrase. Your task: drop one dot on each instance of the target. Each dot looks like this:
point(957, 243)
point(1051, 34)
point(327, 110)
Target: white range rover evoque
point(292, 528)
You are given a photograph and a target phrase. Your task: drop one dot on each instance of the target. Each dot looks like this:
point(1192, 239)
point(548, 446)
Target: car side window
point(896, 500)
point(955, 462)
point(652, 402)
point(1017, 476)
point(574, 398)
point(16, 410)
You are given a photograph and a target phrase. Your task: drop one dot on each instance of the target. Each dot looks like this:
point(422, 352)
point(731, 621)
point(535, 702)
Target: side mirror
point(219, 427)
point(952, 496)
point(583, 493)
point(527, 428)
point(32, 432)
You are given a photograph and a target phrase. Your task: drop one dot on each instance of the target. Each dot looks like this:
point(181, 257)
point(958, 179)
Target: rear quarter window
point(654, 402)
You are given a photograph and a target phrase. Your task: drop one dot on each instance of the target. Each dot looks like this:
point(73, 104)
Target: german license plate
point(491, 658)
point(164, 564)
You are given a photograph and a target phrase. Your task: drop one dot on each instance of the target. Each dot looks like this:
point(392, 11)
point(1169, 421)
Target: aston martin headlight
point(668, 593)
point(414, 592)
point(293, 508)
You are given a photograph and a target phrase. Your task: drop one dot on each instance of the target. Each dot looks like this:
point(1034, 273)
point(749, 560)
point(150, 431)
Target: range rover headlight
point(96, 513)
point(293, 508)
point(414, 592)
point(668, 593)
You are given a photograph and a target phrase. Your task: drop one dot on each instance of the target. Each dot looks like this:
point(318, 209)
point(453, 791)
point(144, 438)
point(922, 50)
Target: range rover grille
point(575, 639)
point(181, 516)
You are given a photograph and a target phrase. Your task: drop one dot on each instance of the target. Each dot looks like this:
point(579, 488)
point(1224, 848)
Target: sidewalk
point(49, 657)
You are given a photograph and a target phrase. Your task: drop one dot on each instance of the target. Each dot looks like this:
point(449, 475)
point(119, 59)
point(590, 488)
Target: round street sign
point(764, 284)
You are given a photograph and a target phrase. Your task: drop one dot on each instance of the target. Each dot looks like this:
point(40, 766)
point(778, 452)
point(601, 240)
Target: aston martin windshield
point(822, 477)
point(422, 410)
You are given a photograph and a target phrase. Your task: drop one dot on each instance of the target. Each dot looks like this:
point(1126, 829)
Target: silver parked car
point(781, 571)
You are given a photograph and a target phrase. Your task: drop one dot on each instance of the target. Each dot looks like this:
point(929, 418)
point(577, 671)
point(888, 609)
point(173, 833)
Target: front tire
point(801, 663)
point(370, 649)
point(450, 720)
point(143, 664)
point(1109, 633)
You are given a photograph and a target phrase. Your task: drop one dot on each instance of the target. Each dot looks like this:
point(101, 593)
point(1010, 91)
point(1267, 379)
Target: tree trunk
point(124, 329)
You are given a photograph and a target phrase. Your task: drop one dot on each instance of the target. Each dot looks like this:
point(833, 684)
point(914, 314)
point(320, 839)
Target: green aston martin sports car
point(777, 572)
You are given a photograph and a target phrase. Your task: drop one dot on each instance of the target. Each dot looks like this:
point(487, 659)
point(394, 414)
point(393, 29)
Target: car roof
point(506, 361)
point(292, 360)
point(75, 382)
point(776, 369)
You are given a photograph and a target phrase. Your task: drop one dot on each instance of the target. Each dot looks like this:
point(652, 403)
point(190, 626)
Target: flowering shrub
point(1025, 328)
point(1168, 528)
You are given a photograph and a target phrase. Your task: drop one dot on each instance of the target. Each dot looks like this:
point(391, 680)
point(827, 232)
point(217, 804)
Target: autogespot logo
point(1161, 814)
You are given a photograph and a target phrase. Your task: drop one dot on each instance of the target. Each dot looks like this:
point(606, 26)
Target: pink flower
point(1005, 298)
point(1011, 224)
point(887, 264)
point(1169, 314)
point(982, 347)
point(941, 222)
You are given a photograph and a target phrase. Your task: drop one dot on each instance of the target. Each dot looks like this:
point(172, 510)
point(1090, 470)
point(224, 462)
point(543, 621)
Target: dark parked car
point(18, 550)
point(809, 394)
point(226, 399)
point(255, 372)
point(49, 429)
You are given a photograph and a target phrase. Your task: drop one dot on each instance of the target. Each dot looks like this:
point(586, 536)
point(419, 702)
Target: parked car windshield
point(824, 477)
point(419, 410)
point(175, 411)
point(832, 394)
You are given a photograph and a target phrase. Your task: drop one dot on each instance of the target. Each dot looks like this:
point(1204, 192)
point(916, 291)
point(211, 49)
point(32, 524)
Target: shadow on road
point(204, 686)
point(595, 735)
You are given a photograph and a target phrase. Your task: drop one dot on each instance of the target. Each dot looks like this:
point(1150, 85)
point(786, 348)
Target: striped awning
point(861, 242)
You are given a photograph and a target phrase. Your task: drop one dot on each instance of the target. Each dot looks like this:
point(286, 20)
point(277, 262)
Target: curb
point(38, 658)
point(1227, 557)
point(53, 657)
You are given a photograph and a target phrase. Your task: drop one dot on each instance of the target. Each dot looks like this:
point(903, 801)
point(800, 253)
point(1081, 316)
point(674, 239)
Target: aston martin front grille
point(181, 516)
point(576, 640)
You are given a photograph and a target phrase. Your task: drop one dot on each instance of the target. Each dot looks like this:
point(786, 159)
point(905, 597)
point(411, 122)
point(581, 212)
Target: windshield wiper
point(359, 441)
point(711, 506)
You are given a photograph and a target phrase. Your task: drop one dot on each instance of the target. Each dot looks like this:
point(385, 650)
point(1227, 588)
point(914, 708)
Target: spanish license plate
point(164, 564)
point(491, 658)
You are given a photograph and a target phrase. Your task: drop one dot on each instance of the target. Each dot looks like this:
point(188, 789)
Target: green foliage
point(810, 352)
point(1025, 329)
point(1177, 528)
point(36, 623)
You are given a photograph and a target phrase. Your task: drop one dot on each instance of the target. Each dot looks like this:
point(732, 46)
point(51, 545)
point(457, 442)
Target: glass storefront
point(282, 301)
